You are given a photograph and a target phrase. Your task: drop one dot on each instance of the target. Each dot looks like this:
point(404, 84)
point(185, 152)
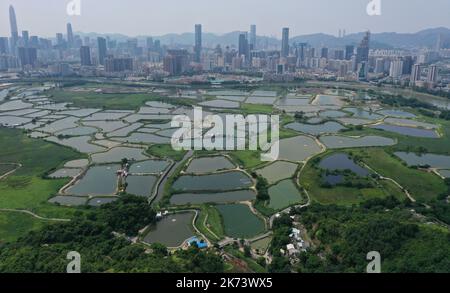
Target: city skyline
point(351, 17)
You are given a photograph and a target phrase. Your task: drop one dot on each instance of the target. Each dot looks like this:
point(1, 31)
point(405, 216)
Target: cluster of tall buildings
point(70, 53)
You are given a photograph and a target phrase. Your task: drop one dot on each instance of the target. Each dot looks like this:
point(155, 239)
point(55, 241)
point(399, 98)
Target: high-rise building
point(349, 52)
point(324, 53)
point(198, 43)
point(85, 55)
point(396, 69)
point(362, 52)
point(27, 56)
point(176, 62)
point(14, 30)
point(70, 42)
point(363, 71)
point(149, 43)
point(243, 46)
point(101, 50)
point(285, 42)
point(59, 39)
point(415, 74)
point(34, 41)
point(339, 54)
point(407, 64)
point(4, 45)
point(25, 38)
point(253, 37)
point(379, 65)
point(118, 64)
point(432, 74)
point(301, 52)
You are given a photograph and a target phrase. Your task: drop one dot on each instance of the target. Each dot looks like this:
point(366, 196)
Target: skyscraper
point(149, 43)
point(432, 74)
point(101, 50)
point(25, 38)
point(85, 56)
point(285, 42)
point(362, 52)
point(324, 53)
point(415, 74)
point(349, 52)
point(198, 43)
point(27, 56)
point(69, 35)
point(14, 30)
point(243, 45)
point(396, 69)
point(59, 40)
point(253, 37)
point(4, 45)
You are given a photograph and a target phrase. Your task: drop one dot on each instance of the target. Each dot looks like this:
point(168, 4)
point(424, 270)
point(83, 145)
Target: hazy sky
point(157, 17)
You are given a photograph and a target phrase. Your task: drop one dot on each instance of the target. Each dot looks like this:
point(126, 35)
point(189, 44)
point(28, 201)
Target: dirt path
point(18, 166)
point(412, 199)
point(34, 215)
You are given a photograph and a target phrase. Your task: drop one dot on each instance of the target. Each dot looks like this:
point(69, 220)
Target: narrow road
point(12, 171)
point(34, 215)
point(412, 199)
point(159, 189)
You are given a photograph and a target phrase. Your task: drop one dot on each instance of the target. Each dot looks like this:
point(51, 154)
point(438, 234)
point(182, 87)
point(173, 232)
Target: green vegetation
point(14, 225)
point(116, 101)
point(209, 221)
point(256, 109)
point(344, 235)
point(252, 264)
point(165, 151)
point(127, 215)
point(6, 168)
point(247, 159)
point(360, 189)
point(101, 251)
point(423, 186)
point(26, 189)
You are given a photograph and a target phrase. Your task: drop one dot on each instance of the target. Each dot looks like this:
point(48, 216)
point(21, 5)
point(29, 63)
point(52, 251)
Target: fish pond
point(99, 180)
point(219, 182)
point(219, 197)
point(209, 165)
point(172, 230)
point(284, 194)
point(240, 222)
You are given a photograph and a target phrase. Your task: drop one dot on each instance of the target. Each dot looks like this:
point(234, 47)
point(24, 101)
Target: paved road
point(159, 190)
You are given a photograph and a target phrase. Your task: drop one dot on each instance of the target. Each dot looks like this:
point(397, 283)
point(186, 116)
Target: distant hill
point(425, 38)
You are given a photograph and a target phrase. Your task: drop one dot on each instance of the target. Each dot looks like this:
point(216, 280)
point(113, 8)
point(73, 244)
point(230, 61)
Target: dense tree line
point(346, 235)
point(92, 236)
point(343, 236)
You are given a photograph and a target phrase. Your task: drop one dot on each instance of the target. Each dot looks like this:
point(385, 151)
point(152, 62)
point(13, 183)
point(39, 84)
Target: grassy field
point(247, 159)
point(13, 225)
point(408, 143)
point(5, 168)
point(342, 195)
point(164, 151)
point(213, 223)
point(26, 188)
point(256, 109)
point(422, 186)
point(119, 101)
